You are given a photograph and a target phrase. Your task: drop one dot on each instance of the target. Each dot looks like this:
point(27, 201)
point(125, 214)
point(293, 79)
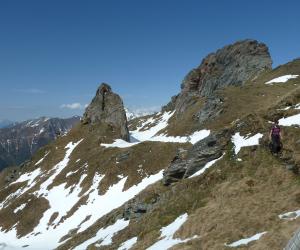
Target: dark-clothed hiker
point(275, 137)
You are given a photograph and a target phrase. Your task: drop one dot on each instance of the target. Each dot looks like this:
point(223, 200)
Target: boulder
point(107, 108)
point(202, 152)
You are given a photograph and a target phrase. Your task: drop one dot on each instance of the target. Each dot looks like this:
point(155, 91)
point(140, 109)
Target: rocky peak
point(232, 65)
point(107, 107)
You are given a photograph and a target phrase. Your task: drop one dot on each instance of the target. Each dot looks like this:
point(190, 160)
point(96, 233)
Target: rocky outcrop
point(107, 107)
point(19, 142)
point(186, 163)
point(232, 65)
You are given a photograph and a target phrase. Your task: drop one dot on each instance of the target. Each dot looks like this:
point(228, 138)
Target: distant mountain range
point(132, 114)
point(19, 141)
point(6, 123)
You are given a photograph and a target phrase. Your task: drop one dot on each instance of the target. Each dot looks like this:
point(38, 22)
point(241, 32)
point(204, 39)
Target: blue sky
point(56, 53)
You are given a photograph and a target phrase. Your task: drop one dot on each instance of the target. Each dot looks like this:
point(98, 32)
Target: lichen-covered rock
point(107, 107)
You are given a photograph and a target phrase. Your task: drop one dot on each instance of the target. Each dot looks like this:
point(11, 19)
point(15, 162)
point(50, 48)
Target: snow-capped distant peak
point(132, 114)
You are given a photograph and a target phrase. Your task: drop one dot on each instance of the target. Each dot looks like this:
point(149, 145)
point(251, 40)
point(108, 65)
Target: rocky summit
point(107, 108)
point(197, 175)
point(232, 65)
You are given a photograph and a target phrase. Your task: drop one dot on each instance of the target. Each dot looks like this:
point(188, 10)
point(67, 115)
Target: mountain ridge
point(182, 183)
point(20, 141)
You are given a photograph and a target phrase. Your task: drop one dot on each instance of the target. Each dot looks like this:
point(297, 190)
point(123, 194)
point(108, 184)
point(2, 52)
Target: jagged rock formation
point(186, 163)
point(107, 107)
point(232, 65)
point(19, 142)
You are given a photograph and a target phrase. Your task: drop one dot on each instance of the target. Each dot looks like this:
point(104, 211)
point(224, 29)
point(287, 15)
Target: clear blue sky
point(56, 53)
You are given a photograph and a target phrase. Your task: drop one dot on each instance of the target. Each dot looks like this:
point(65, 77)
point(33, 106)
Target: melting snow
point(19, 208)
point(105, 235)
point(240, 141)
point(290, 215)
point(40, 161)
point(246, 241)
point(50, 234)
point(138, 136)
point(167, 234)
point(27, 177)
point(195, 137)
point(147, 134)
point(128, 244)
point(42, 131)
point(119, 143)
point(207, 165)
point(291, 120)
point(282, 79)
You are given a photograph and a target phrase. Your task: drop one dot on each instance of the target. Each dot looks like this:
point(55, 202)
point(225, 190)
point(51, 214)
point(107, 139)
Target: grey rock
point(201, 153)
point(211, 109)
point(135, 208)
point(232, 65)
point(107, 107)
point(122, 157)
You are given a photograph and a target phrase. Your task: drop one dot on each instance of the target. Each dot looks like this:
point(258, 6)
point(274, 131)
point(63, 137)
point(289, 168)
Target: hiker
point(275, 137)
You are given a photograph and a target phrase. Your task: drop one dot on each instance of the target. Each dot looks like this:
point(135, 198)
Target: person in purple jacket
point(275, 137)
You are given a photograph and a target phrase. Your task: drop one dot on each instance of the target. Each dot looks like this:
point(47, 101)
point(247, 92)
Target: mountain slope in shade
point(179, 183)
point(20, 141)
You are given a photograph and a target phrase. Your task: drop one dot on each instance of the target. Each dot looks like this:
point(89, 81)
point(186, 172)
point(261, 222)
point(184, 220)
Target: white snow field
point(128, 244)
point(62, 200)
point(290, 215)
point(207, 166)
point(246, 241)
point(167, 235)
point(240, 141)
point(290, 121)
point(281, 79)
point(139, 135)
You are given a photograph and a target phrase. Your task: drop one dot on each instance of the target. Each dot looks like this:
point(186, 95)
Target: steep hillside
point(20, 141)
point(169, 180)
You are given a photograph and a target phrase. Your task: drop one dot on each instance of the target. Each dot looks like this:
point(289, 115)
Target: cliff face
point(107, 108)
point(19, 142)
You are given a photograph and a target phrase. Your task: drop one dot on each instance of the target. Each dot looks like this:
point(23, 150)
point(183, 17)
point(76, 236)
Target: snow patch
point(104, 235)
point(290, 215)
point(40, 161)
point(128, 244)
point(195, 137)
point(160, 123)
point(240, 141)
point(246, 241)
point(167, 235)
point(19, 208)
point(207, 166)
point(281, 79)
point(139, 135)
point(290, 121)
